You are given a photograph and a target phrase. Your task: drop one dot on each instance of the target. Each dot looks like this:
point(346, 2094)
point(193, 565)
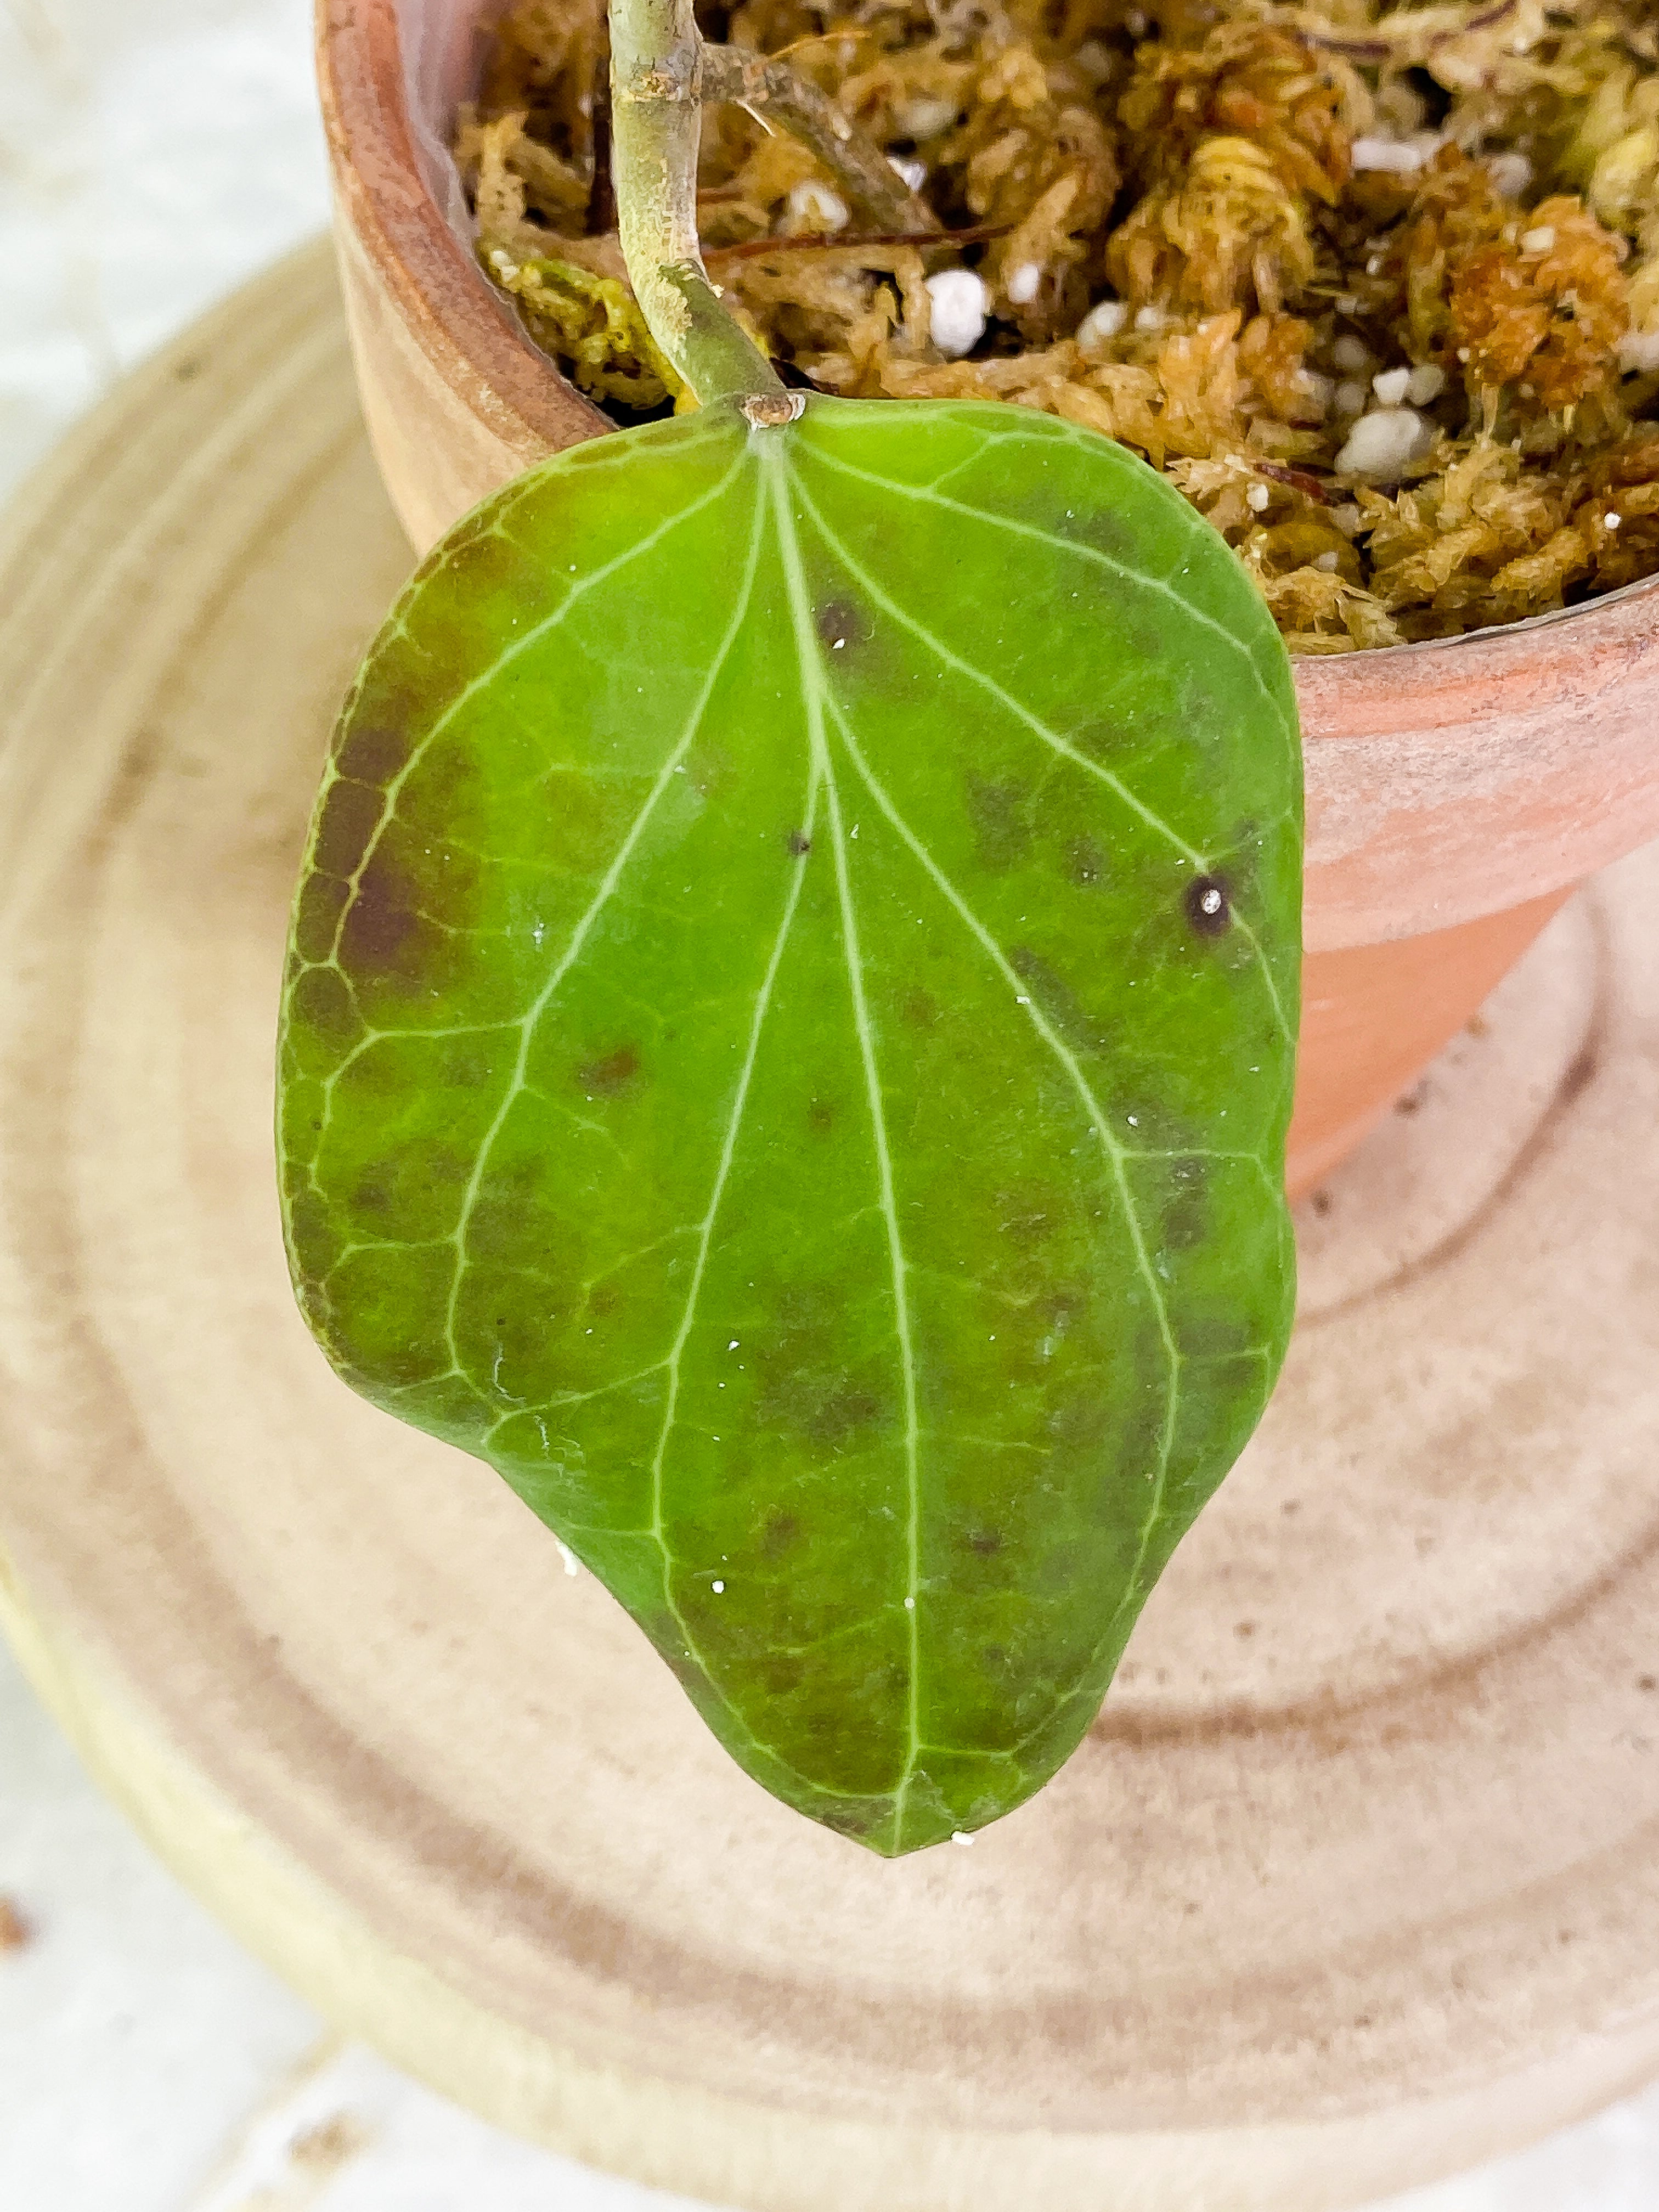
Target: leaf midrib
point(815, 694)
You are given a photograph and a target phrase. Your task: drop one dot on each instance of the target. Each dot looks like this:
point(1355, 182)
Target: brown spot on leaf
point(998, 811)
point(850, 1823)
point(381, 920)
point(372, 752)
point(1217, 1335)
point(1085, 863)
point(919, 1008)
point(1187, 1215)
point(322, 902)
point(820, 1114)
point(351, 813)
point(611, 1074)
point(1209, 906)
point(841, 624)
point(13, 1929)
point(799, 843)
point(840, 1411)
point(802, 1378)
point(1083, 1030)
point(780, 1532)
point(1098, 526)
point(988, 1542)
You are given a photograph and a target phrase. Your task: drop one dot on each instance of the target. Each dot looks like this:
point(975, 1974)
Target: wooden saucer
point(1356, 1879)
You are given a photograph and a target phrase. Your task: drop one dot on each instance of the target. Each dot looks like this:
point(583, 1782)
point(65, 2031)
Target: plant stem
point(656, 119)
point(873, 189)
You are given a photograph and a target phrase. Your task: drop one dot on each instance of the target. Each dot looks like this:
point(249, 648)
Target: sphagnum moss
point(1377, 286)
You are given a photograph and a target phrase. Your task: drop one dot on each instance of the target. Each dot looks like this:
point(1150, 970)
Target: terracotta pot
point(1457, 792)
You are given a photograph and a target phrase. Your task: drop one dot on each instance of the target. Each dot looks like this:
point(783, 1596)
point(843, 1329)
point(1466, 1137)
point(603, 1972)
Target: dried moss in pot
point(1377, 286)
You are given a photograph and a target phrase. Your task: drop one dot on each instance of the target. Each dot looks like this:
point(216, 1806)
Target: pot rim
point(474, 341)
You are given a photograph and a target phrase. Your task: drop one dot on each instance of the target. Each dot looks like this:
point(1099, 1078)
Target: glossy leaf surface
point(787, 1050)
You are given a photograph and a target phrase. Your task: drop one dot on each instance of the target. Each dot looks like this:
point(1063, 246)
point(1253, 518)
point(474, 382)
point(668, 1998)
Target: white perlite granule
point(1103, 323)
point(960, 304)
point(820, 207)
point(926, 119)
point(1426, 383)
point(1402, 156)
point(1383, 444)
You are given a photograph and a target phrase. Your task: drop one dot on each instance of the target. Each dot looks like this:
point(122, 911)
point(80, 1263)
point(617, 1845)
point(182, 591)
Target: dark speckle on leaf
point(986, 1541)
point(780, 1532)
point(848, 1824)
point(373, 753)
point(350, 816)
point(1186, 1218)
point(799, 844)
point(1209, 909)
point(999, 814)
point(1085, 863)
point(1083, 1030)
point(612, 1072)
point(1099, 527)
point(842, 1411)
point(840, 624)
point(380, 920)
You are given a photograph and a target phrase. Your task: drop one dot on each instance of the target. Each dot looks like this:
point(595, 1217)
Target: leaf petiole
point(656, 122)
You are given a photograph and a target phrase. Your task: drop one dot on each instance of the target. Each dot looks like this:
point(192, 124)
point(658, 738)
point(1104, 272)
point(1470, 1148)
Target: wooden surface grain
point(1356, 1881)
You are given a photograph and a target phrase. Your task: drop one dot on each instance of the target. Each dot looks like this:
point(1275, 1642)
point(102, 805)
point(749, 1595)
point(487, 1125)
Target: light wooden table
point(146, 2065)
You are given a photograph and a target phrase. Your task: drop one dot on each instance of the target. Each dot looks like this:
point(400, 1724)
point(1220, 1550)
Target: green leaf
point(786, 1051)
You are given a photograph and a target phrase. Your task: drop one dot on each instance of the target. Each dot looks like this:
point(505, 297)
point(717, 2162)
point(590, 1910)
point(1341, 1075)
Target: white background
point(153, 152)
